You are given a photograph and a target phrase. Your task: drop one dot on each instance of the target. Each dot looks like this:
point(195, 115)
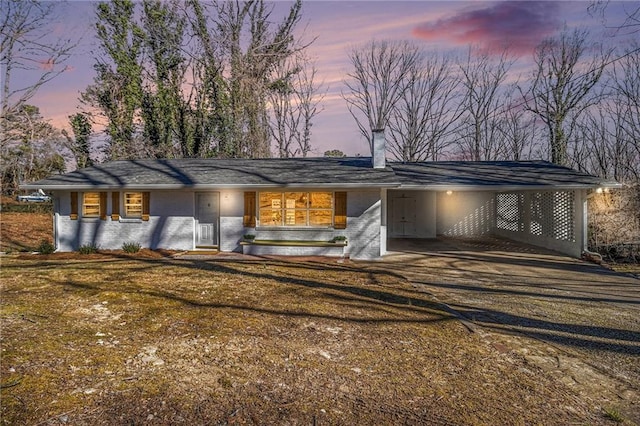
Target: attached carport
point(533, 202)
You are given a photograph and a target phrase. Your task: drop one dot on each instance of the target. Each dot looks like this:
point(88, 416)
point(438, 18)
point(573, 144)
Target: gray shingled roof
point(179, 173)
point(320, 172)
point(492, 174)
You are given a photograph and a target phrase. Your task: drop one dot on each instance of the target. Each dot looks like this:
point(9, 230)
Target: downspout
point(56, 219)
point(383, 222)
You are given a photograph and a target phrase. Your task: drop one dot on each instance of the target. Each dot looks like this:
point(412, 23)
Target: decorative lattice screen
point(551, 213)
point(509, 212)
point(563, 213)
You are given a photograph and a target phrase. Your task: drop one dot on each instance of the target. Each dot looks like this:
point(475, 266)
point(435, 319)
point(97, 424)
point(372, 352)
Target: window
point(133, 204)
point(314, 209)
point(91, 204)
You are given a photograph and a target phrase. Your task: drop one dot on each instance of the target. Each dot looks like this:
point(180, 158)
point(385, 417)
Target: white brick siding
point(172, 226)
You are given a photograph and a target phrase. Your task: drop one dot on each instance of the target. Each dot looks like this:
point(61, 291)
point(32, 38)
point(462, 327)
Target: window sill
point(130, 220)
point(89, 219)
point(293, 228)
point(293, 243)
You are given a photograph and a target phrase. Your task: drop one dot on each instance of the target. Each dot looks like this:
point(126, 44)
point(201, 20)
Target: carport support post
point(383, 221)
point(584, 226)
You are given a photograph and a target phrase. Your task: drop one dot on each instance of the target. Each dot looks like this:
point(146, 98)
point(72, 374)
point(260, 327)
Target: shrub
point(249, 237)
point(88, 249)
point(46, 247)
point(131, 247)
point(339, 239)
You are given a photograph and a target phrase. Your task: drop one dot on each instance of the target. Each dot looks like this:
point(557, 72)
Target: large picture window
point(314, 209)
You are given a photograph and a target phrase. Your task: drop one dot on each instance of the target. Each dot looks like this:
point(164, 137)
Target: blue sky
point(339, 25)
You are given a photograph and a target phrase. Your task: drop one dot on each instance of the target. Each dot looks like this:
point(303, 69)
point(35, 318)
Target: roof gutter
point(72, 187)
point(505, 188)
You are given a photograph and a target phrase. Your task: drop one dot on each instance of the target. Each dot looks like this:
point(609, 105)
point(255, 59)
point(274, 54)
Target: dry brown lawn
point(24, 232)
point(111, 339)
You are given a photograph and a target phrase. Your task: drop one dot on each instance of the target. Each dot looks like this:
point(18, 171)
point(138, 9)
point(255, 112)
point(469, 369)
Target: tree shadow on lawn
point(524, 293)
point(499, 250)
point(390, 304)
point(603, 338)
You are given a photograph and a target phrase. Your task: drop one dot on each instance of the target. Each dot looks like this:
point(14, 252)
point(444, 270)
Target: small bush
point(339, 239)
point(88, 249)
point(131, 247)
point(46, 247)
point(249, 237)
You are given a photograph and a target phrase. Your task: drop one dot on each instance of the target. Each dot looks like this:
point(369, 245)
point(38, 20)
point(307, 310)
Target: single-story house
point(316, 206)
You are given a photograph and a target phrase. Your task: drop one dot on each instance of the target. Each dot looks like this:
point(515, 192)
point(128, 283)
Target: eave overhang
point(203, 187)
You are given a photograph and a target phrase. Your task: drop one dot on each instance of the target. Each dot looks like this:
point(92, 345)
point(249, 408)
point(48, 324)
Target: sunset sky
point(339, 26)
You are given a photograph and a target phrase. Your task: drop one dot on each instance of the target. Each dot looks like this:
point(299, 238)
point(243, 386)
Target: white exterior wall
point(172, 226)
point(465, 213)
point(172, 229)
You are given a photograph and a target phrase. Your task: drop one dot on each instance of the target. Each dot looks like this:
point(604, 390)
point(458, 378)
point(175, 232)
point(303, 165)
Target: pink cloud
point(518, 25)
point(47, 65)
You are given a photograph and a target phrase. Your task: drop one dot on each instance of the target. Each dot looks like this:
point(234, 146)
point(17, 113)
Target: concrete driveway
point(574, 319)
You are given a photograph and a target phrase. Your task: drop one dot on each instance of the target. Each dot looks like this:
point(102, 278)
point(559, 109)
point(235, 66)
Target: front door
point(207, 219)
point(403, 216)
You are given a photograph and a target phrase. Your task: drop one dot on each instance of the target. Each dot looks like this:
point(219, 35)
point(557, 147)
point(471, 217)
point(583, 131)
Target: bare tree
point(631, 16)
point(517, 130)
point(483, 78)
point(427, 112)
point(295, 100)
point(26, 47)
point(625, 77)
point(562, 85)
point(28, 149)
point(249, 63)
point(309, 98)
point(377, 82)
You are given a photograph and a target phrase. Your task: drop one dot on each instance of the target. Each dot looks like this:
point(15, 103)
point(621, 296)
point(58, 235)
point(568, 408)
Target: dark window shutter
point(115, 206)
point(145, 205)
point(249, 218)
point(74, 206)
point(340, 213)
point(103, 206)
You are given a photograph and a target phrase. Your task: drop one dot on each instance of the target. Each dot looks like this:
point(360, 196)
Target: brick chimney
point(378, 156)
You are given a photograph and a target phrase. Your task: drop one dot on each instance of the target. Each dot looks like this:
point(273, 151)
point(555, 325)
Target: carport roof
point(493, 175)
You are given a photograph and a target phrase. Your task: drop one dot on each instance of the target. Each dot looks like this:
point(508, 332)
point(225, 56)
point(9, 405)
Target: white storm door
point(207, 219)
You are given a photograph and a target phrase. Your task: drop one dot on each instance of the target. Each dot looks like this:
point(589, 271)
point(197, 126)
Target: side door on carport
point(403, 216)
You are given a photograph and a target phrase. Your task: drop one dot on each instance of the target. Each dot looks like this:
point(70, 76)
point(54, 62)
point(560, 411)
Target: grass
point(109, 339)
point(614, 415)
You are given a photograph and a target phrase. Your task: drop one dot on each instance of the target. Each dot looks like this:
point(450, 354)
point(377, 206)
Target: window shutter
point(249, 218)
point(145, 205)
point(340, 213)
point(74, 206)
point(115, 206)
point(103, 206)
